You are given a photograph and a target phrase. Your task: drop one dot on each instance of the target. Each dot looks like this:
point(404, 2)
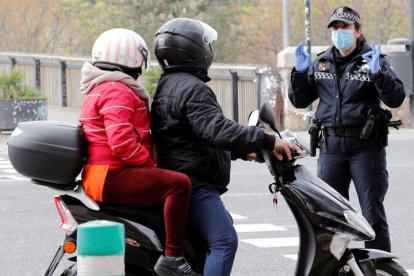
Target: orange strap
point(93, 180)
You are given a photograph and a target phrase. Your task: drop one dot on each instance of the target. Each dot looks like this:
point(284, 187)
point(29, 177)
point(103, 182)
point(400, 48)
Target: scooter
point(144, 232)
point(53, 154)
point(327, 222)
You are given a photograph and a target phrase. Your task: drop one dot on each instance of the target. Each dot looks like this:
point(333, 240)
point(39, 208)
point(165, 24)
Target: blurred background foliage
point(250, 31)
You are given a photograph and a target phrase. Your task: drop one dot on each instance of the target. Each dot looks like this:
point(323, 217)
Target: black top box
point(48, 151)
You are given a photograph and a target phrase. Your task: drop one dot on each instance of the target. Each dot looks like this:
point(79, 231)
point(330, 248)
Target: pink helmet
point(120, 47)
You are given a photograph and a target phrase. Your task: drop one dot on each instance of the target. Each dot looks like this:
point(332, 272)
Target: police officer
point(349, 79)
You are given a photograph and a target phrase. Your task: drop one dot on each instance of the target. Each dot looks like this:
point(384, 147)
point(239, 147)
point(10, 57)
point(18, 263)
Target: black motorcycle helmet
point(184, 43)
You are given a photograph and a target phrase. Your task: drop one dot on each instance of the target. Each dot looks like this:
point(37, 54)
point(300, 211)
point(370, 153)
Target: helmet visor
point(210, 34)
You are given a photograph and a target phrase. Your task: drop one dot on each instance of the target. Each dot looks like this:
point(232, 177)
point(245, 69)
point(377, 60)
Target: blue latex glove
point(372, 58)
point(303, 59)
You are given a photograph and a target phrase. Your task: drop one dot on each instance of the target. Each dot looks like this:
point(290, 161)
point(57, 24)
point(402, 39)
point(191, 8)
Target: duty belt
point(343, 131)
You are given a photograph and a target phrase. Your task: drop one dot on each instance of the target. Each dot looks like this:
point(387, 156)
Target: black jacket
point(344, 101)
point(192, 135)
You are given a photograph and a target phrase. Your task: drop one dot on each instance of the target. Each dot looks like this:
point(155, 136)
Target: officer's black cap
point(344, 14)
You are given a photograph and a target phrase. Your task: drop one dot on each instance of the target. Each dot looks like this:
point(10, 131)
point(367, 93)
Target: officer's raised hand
point(303, 59)
point(372, 58)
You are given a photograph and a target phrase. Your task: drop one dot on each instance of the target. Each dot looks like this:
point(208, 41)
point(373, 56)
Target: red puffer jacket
point(116, 123)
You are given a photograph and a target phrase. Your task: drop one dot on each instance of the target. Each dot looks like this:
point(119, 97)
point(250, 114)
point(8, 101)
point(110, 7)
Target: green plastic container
point(101, 238)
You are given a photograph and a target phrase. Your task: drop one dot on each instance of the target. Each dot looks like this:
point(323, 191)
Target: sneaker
point(173, 267)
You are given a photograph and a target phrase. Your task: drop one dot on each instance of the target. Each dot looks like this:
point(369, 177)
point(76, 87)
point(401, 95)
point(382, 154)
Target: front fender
point(368, 254)
point(366, 257)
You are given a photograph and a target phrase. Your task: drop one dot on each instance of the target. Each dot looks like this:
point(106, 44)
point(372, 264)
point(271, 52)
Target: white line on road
point(263, 227)
point(9, 166)
point(236, 216)
point(11, 177)
point(294, 257)
point(401, 165)
point(247, 194)
point(273, 242)
point(291, 256)
point(9, 170)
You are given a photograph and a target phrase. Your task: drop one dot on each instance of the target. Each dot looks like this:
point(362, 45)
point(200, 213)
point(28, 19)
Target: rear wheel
point(389, 268)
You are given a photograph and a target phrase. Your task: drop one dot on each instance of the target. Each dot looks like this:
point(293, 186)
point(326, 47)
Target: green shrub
point(11, 87)
point(151, 80)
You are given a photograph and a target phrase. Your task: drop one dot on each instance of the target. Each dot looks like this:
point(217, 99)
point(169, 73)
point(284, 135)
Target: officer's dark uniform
point(346, 92)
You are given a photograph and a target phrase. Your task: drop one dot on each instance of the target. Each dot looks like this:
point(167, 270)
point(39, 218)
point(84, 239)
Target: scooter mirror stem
point(266, 115)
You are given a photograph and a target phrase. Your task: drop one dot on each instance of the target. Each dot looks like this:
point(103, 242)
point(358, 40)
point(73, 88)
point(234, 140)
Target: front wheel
point(389, 268)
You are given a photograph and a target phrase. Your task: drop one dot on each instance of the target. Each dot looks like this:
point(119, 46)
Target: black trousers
point(364, 162)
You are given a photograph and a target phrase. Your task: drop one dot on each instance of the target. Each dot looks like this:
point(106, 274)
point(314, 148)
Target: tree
point(149, 15)
point(250, 31)
point(381, 20)
point(56, 27)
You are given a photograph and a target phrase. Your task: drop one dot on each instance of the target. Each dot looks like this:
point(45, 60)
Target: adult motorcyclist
point(121, 166)
point(350, 79)
point(193, 136)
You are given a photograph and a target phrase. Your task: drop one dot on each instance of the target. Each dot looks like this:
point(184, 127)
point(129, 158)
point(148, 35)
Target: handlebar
point(265, 116)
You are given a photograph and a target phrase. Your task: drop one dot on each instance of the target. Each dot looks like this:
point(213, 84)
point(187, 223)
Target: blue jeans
point(210, 219)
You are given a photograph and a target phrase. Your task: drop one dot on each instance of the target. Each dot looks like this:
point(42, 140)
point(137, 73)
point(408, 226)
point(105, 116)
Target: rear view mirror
point(253, 118)
point(266, 115)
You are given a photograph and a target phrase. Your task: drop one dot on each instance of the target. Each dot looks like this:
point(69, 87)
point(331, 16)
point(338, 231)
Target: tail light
point(67, 221)
point(69, 246)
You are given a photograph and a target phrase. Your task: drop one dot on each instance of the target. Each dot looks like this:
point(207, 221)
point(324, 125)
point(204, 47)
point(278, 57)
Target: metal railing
point(237, 87)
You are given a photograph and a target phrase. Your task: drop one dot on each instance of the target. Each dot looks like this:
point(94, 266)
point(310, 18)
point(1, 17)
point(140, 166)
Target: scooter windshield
point(317, 196)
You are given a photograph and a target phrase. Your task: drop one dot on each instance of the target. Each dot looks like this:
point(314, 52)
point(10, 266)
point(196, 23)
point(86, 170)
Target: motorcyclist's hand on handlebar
point(284, 146)
point(253, 157)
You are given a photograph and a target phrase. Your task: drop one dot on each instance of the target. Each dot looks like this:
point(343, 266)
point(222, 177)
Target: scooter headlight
point(338, 244)
point(357, 221)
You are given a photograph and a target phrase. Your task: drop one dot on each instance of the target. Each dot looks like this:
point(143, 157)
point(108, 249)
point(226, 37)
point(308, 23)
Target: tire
point(389, 268)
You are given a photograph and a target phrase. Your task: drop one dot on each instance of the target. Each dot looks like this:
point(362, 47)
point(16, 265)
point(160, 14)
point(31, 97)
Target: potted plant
point(19, 102)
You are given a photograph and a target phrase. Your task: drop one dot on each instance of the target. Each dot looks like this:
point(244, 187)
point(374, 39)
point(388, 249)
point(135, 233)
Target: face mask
point(343, 39)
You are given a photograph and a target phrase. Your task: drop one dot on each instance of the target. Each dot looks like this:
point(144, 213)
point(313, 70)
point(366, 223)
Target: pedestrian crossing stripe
point(11, 178)
point(294, 257)
point(273, 242)
point(291, 256)
point(236, 216)
point(263, 227)
point(6, 167)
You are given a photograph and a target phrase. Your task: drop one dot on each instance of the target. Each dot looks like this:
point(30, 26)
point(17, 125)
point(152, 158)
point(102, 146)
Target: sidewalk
point(63, 114)
point(55, 113)
point(70, 114)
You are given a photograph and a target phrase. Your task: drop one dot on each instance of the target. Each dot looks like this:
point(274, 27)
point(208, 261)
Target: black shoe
point(173, 267)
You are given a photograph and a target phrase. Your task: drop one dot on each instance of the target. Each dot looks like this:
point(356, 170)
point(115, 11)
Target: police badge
point(323, 66)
